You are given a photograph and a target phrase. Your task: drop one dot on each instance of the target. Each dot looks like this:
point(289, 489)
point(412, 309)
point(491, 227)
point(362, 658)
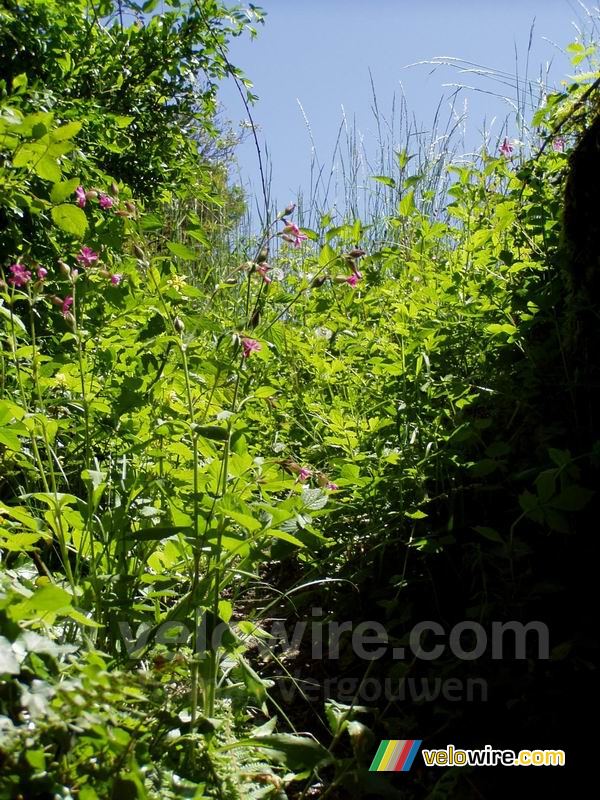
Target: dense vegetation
point(388, 420)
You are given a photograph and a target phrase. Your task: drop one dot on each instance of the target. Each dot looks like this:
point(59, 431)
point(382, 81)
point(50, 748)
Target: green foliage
point(176, 420)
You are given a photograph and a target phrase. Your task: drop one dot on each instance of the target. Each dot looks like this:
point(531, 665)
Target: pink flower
point(67, 303)
point(105, 201)
point(263, 271)
point(296, 237)
point(558, 145)
point(115, 279)
point(304, 473)
point(352, 280)
point(333, 487)
point(506, 147)
point(87, 257)
point(42, 272)
point(20, 275)
point(81, 198)
point(250, 346)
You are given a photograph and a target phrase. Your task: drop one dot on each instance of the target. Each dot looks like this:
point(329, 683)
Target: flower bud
point(357, 253)
point(263, 255)
point(130, 207)
point(121, 213)
point(114, 189)
point(91, 195)
point(289, 209)
point(178, 325)
point(320, 280)
point(138, 251)
point(64, 269)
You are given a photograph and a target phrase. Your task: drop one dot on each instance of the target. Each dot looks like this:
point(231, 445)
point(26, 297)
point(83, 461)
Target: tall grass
point(340, 184)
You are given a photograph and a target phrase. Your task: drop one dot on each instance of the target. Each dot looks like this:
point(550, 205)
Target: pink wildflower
point(116, 278)
point(506, 147)
point(250, 345)
point(81, 196)
point(263, 272)
point(333, 487)
point(558, 145)
point(87, 257)
point(20, 275)
point(105, 201)
point(67, 303)
point(296, 236)
point(42, 272)
point(304, 474)
point(352, 280)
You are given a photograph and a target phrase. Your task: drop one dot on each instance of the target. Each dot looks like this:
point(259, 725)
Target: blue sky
point(320, 53)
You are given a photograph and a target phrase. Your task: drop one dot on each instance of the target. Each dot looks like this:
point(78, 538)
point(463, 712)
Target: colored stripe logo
point(395, 755)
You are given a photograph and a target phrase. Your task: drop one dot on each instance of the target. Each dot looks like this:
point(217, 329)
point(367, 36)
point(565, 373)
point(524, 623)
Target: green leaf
point(314, 499)
point(295, 752)
point(9, 411)
point(265, 391)
point(45, 602)
point(254, 684)
point(12, 318)
point(48, 169)
point(60, 191)
point(67, 131)
point(181, 251)
point(159, 533)
point(573, 498)
point(385, 179)
point(213, 432)
point(489, 533)
point(36, 759)
point(284, 537)
point(70, 219)
point(19, 82)
point(10, 440)
point(496, 329)
point(19, 542)
point(407, 204)
point(327, 256)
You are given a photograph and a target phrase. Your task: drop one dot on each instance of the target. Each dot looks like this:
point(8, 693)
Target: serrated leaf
point(60, 191)
point(67, 131)
point(48, 169)
point(313, 499)
point(70, 219)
